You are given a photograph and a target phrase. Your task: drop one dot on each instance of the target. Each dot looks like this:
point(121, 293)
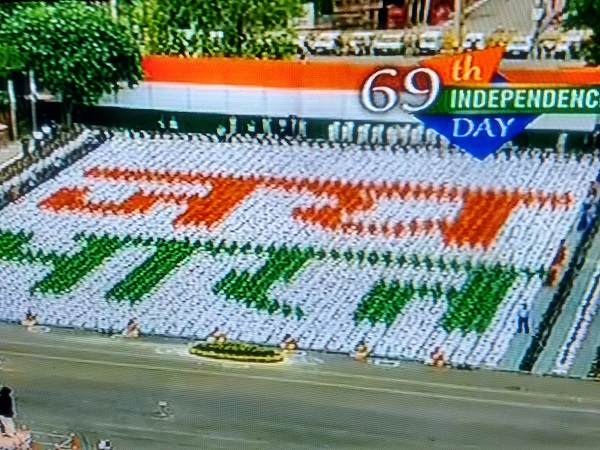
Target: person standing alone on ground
point(523, 320)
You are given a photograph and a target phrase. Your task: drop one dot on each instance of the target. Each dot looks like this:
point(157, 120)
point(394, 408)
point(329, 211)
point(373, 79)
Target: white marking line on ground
point(130, 428)
point(333, 373)
point(43, 433)
point(307, 382)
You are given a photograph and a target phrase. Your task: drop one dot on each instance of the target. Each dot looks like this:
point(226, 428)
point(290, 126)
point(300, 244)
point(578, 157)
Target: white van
point(474, 41)
point(519, 48)
point(327, 43)
point(359, 42)
point(430, 42)
point(388, 44)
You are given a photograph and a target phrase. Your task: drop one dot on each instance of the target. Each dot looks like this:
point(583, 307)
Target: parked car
point(474, 41)
point(576, 39)
point(359, 43)
point(327, 42)
point(562, 49)
point(519, 48)
point(301, 44)
point(388, 44)
point(431, 42)
point(501, 37)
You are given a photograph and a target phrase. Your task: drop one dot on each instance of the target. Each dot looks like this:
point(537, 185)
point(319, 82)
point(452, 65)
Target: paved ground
point(10, 152)
point(511, 14)
point(109, 387)
point(560, 331)
point(410, 61)
point(521, 342)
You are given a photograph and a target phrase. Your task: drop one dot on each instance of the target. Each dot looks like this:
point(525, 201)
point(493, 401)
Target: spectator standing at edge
point(7, 403)
point(173, 125)
point(523, 320)
point(7, 412)
point(161, 126)
point(557, 264)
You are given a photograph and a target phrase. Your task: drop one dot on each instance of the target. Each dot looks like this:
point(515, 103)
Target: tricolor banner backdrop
point(467, 98)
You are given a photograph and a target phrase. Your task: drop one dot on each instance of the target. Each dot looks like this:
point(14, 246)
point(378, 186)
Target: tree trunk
point(13, 109)
point(67, 112)
point(240, 37)
point(33, 97)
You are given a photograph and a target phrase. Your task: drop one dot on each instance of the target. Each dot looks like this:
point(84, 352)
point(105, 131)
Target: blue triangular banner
point(498, 79)
point(480, 136)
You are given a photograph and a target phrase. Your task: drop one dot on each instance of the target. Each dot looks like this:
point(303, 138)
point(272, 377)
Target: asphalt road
point(8, 153)
point(109, 387)
point(511, 14)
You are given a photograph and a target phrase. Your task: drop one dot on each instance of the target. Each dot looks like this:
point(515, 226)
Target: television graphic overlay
point(466, 99)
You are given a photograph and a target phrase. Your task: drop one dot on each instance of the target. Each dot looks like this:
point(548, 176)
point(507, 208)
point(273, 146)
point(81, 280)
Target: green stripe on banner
point(517, 100)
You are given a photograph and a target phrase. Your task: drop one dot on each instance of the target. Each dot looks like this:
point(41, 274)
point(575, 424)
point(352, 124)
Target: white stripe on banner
point(275, 102)
point(317, 104)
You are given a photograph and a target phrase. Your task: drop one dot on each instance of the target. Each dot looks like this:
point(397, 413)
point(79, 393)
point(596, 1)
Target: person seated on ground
point(289, 343)
point(217, 336)
point(30, 320)
point(104, 445)
point(73, 442)
point(7, 412)
point(438, 358)
point(361, 351)
point(132, 329)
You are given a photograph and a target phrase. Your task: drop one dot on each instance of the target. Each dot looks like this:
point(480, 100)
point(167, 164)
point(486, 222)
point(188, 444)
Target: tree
point(585, 14)
point(148, 21)
point(188, 27)
point(77, 50)
point(11, 61)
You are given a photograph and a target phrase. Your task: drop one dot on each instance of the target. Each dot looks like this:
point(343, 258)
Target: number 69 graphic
point(391, 96)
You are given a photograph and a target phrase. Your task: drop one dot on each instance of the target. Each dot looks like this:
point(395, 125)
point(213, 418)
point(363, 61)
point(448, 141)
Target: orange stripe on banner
point(584, 76)
point(320, 75)
point(252, 73)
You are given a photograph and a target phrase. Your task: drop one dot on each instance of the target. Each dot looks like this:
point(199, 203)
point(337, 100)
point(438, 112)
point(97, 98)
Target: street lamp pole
point(113, 9)
point(13, 109)
point(33, 97)
point(458, 19)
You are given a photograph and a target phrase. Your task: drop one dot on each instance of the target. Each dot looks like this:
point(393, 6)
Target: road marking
point(457, 386)
point(308, 382)
point(176, 433)
point(170, 352)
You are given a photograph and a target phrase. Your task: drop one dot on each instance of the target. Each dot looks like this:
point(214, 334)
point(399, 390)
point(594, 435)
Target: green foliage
point(584, 14)
point(194, 28)
point(11, 60)
point(238, 351)
point(148, 22)
point(74, 48)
